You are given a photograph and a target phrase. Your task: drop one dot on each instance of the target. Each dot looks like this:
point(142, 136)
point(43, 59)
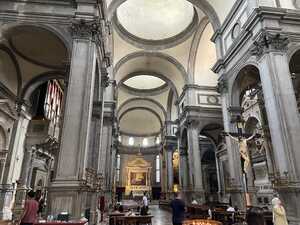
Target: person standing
point(178, 209)
point(29, 216)
point(279, 215)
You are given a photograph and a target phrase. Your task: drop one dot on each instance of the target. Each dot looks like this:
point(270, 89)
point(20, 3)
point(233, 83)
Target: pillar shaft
point(194, 157)
point(65, 191)
point(284, 124)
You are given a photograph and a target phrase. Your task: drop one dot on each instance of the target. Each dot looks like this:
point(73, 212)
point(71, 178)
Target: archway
point(247, 94)
point(295, 73)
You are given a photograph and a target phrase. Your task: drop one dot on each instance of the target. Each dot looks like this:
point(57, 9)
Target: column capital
point(85, 29)
point(192, 122)
point(222, 86)
point(267, 42)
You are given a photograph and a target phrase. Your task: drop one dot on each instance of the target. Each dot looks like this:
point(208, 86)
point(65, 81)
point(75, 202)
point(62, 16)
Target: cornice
point(247, 34)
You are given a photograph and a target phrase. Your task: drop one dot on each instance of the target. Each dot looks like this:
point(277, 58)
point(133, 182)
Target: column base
point(198, 195)
point(67, 196)
point(6, 200)
point(238, 198)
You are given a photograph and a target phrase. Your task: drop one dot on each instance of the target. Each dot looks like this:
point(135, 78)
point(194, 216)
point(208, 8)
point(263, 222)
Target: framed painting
point(138, 178)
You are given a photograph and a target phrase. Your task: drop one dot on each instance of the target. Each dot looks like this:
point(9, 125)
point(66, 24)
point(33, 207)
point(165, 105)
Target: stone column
point(170, 171)
point(194, 157)
point(283, 118)
point(235, 188)
point(183, 171)
point(66, 193)
point(22, 186)
point(13, 164)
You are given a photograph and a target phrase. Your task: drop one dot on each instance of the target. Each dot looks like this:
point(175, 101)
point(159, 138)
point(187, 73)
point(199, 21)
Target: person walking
point(178, 209)
point(279, 215)
point(31, 208)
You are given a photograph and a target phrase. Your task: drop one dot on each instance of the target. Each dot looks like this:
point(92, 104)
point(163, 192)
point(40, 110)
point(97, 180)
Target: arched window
point(145, 142)
point(157, 169)
point(131, 141)
point(118, 168)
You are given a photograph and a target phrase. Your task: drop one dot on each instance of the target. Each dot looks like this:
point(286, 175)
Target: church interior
point(103, 102)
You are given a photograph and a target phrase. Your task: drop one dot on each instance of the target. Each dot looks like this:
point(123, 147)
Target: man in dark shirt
point(178, 209)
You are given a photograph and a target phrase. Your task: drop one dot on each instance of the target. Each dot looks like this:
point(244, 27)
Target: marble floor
point(161, 217)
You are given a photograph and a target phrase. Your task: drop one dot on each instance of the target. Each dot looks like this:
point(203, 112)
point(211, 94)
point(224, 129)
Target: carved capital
point(85, 29)
point(267, 42)
point(222, 86)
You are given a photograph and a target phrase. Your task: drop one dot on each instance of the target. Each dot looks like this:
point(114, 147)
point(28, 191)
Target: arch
point(151, 92)
point(162, 56)
point(170, 105)
point(38, 80)
point(60, 33)
point(204, 5)
point(156, 44)
point(142, 108)
point(3, 138)
point(142, 99)
point(248, 70)
point(194, 48)
point(251, 124)
point(16, 64)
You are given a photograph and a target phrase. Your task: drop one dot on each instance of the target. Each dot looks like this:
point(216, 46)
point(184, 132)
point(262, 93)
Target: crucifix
point(242, 138)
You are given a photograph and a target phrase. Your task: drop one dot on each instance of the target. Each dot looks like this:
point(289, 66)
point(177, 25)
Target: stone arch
point(142, 108)
point(249, 70)
point(204, 5)
point(63, 35)
point(38, 80)
point(163, 56)
point(3, 138)
point(16, 64)
point(171, 97)
point(143, 99)
point(153, 92)
point(194, 48)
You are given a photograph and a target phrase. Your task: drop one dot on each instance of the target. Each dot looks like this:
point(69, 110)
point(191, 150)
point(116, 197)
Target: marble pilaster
point(66, 192)
point(235, 188)
point(194, 158)
point(24, 181)
point(283, 119)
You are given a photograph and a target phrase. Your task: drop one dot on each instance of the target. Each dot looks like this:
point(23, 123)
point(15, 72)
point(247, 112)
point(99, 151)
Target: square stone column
point(235, 188)
point(194, 158)
point(67, 192)
point(283, 118)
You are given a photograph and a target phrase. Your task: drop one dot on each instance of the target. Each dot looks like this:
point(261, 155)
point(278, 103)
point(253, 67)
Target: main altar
point(138, 176)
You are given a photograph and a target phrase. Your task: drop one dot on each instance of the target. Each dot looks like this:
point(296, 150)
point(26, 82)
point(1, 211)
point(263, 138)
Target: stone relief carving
point(85, 29)
point(222, 86)
point(268, 41)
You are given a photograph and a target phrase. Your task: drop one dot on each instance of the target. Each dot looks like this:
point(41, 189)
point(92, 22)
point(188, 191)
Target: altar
point(138, 176)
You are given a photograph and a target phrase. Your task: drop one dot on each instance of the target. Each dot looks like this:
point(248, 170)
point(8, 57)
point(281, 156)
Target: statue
point(243, 149)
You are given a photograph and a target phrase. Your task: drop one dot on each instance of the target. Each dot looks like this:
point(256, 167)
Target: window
point(145, 142)
point(120, 138)
point(157, 169)
point(157, 141)
point(131, 141)
point(118, 168)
